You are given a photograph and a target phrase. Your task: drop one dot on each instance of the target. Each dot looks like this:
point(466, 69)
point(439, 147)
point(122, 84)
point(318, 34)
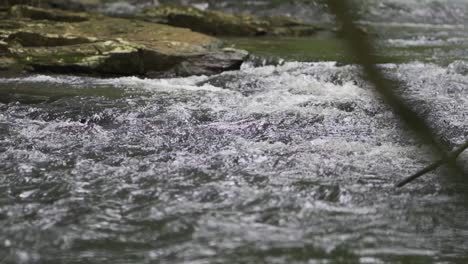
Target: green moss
point(32, 39)
point(69, 57)
point(50, 56)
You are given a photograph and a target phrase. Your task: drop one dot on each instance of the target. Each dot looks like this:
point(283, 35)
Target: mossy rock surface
point(97, 44)
point(223, 24)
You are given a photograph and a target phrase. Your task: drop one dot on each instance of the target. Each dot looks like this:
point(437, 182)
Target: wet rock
point(76, 5)
point(210, 22)
point(23, 11)
point(227, 59)
point(223, 24)
point(8, 64)
point(96, 44)
point(35, 39)
point(3, 47)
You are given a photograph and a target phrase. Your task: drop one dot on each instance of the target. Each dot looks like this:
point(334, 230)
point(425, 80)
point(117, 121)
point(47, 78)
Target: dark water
point(402, 31)
point(293, 163)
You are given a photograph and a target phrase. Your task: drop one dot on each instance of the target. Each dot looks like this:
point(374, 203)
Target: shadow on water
point(327, 48)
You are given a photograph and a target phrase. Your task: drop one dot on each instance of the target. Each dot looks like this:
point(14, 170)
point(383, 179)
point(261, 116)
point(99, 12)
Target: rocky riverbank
point(45, 40)
point(157, 40)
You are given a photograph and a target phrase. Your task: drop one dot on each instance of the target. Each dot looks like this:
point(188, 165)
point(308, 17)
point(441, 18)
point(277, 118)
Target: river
point(293, 158)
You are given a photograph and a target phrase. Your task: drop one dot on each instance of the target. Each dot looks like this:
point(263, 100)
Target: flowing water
point(292, 162)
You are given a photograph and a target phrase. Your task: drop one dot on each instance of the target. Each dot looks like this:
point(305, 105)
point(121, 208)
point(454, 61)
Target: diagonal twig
point(362, 50)
point(449, 159)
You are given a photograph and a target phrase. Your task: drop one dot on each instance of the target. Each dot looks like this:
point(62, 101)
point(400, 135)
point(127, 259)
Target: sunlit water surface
point(292, 163)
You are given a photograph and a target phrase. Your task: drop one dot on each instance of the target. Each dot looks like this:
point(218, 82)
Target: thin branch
point(362, 50)
point(452, 157)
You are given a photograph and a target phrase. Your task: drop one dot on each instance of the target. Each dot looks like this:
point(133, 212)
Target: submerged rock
point(223, 24)
point(65, 42)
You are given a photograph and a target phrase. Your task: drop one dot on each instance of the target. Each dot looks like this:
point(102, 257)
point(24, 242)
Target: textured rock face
point(65, 42)
point(23, 11)
point(214, 23)
point(223, 24)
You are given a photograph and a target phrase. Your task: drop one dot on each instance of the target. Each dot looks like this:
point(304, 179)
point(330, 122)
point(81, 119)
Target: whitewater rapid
point(295, 162)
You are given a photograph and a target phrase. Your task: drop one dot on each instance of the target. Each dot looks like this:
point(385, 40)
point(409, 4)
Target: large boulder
point(224, 24)
point(60, 41)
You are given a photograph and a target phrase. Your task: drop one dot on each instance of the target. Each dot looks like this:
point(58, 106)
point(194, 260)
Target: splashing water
point(271, 164)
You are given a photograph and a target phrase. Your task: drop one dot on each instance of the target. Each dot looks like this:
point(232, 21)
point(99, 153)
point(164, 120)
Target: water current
point(293, 162)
